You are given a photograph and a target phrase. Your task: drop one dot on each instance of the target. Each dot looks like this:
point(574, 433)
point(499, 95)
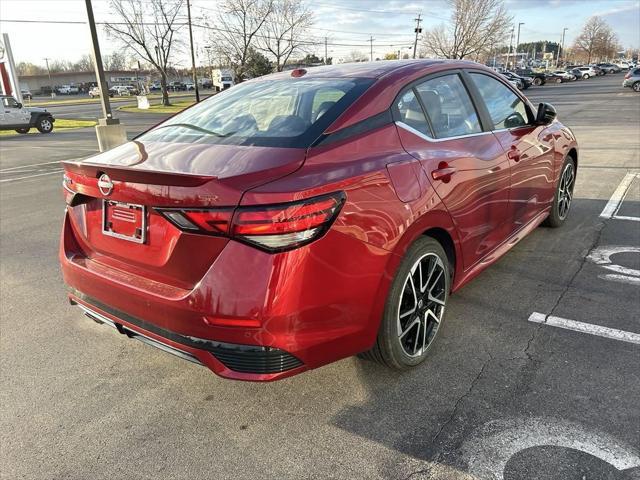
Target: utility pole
point(562, 47)
point(326, 53)
point(371, 39)
point(417, 30)
point(208, 49)
point(518, 40)
point(46, 60)
point(193, 55)
point(109, 131)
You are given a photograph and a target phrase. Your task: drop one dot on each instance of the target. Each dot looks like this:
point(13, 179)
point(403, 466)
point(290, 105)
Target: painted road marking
point(615, 202)
point(488, 450)
point(612, 333)
point(602, 256)
point(31, 176)
point(20, 167)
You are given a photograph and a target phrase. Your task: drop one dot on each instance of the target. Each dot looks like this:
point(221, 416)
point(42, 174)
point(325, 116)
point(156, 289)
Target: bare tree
point(115, 61)
point(355, 56)
point(282, 36)
point(475, 25)
point(236, 30)
point(149, 30)
point(592, 37)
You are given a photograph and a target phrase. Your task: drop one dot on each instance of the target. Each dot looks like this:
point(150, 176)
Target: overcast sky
point(348, 24)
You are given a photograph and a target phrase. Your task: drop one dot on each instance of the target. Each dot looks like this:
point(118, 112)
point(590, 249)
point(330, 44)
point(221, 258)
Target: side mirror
point(19, 105)
point(546, 114)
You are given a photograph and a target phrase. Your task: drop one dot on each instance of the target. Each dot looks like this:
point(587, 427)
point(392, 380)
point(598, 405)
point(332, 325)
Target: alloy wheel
point(45, 125)
point(565, 192)
point(636, 87)
point(422, 304)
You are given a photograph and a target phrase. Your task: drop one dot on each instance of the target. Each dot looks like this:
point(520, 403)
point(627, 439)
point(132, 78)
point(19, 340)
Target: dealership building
point(44, 83)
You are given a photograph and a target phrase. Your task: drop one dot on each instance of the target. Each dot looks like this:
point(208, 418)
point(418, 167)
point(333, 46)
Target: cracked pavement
point(81, 402)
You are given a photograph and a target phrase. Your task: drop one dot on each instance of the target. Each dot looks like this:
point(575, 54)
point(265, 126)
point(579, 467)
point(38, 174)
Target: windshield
point(284, 113)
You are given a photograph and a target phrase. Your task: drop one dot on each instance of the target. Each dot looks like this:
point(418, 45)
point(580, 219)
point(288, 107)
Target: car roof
point(365, 69)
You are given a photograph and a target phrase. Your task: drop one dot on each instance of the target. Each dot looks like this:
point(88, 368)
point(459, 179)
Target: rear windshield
point(283, 113)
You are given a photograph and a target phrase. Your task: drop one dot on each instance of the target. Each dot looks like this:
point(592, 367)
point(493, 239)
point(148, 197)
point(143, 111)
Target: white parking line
point(590, 328)
point(20, 167)
point(31, 176)
point(614, 203)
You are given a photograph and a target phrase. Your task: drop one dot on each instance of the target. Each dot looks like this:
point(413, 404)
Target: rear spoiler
point(136, 175)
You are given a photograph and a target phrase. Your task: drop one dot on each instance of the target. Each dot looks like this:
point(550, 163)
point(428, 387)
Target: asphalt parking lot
point(515, 388)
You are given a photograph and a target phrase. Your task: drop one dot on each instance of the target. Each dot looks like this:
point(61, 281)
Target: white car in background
point(568, 76)
point(587, 72)
point(68, 90)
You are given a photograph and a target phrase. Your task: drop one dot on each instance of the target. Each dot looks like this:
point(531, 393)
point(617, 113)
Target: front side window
point(10, 102)
point(506, 109)
point(280, 113)
point(449, 108)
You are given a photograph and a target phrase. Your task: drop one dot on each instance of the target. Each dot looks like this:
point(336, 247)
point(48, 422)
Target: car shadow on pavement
point(489, 363)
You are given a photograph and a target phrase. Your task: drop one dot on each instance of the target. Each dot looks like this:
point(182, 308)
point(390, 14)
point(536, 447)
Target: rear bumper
point(253, 315)
point(242, 362)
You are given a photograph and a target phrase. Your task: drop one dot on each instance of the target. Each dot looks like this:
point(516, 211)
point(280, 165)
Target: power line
point(308, 41)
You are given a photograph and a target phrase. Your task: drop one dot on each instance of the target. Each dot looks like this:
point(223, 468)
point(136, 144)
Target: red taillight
point(273, 228)
point(212, 221)
point(628, 75)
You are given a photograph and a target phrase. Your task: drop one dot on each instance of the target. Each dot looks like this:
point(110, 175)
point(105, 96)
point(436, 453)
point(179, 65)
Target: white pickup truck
point(13, 116)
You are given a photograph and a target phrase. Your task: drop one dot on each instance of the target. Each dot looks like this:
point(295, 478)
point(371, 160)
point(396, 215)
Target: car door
point(529, 148)
point(439, 125)
point(14, 114)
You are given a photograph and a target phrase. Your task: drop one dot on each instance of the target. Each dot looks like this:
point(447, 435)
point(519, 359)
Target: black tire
point(560, 209)
point(537, 81)
point(636, 87)
point(22, 130)
point(390, 349)
point(44, 124)
point(558, 80)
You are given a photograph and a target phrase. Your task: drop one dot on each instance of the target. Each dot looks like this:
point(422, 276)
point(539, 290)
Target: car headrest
point(323, 108)
point(287, 125)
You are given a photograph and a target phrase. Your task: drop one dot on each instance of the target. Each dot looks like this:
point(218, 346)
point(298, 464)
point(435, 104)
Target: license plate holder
point(126, 221)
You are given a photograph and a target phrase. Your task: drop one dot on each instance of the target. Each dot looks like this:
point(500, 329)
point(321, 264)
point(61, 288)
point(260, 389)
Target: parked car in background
point(599, 72)
point(359, 197)
point(14, 116)
point(68, 90)
point(176, 87)
point(576, 72)
point(537, 78)
point(623, 64)
point(609, 67)
point(587, 72)
point(632, 79)
point(95, 92)
point(26, 94)
point(522, 82)
point(155, 87)
point(553, 78)
point(564, 76)
point(189, 86)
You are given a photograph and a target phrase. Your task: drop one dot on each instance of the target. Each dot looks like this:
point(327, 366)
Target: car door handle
point(513, 154)
point(443, 173)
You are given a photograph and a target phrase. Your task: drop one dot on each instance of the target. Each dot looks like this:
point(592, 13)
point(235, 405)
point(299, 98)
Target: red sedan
point(307, 216)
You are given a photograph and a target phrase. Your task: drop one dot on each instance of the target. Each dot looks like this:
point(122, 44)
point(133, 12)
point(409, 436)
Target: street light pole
point(46, 60)
point(510, 47)
point(193, 55)
point(518, 39)
point(109, 131)
point(97, 62)
point(562, 47)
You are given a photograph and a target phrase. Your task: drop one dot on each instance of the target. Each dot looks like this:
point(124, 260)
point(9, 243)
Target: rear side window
point(448, 106)
point(505, 107)
point(411, 113)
